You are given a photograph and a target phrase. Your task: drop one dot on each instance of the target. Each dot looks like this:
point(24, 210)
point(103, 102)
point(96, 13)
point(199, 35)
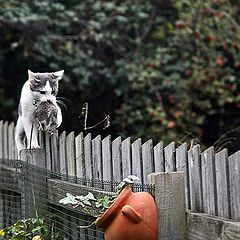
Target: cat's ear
point(58, 75)
point(32, 76)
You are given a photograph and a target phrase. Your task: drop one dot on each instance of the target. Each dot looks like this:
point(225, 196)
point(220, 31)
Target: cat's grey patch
point(39, 81)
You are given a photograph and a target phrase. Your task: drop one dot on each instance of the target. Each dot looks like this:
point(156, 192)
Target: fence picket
point(88, 156)
point(97, 158)
point(48, 151)
point(5, 139)
point(54, 152)
point(234, 175)
point(222, 183)
point(107, 158)
point(80, 161)
point(182, 165)
point(169, 154)
point(116, 159)
point(209, 182)
point(195, 178)
point(1, 139)
point(137, 159)
point(71, 159)
point(62, 153)
point(159, 157)
point(11, 141)
point(126, 157)
point(147, 158)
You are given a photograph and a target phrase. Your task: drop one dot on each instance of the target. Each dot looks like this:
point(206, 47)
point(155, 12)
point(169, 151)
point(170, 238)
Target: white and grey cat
point(38, 88)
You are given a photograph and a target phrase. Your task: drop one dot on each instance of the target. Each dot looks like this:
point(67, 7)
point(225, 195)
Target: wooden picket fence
point(212, 180)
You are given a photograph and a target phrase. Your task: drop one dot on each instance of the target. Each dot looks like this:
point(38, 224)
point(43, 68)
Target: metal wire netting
point(28, 191)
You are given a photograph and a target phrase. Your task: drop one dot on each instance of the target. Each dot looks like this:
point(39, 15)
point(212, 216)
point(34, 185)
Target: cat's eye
point(42, 92)
point(53, 92)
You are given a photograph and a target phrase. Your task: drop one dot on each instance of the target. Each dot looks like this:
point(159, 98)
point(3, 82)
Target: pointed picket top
point(158, 153)
point(147, 159)
point(62, 152)
point(1, 139)
point(222, 183)
point(70, 152)
point(97, 158)
point(107, 158)
point(5, 140)
point(117, 159)
point(137, 159)
point(195, 179)
point(169, 155)
point(88, 155)
point(209, 181)
point(234, 177)
point(126, 157)
point(79, 153)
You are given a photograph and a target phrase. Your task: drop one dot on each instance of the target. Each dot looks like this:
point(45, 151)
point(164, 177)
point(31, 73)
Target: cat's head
point(45, 85)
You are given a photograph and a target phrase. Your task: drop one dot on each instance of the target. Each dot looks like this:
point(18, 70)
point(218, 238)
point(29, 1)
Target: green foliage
point(27, 229)
point(158, 68)
point(96, 206)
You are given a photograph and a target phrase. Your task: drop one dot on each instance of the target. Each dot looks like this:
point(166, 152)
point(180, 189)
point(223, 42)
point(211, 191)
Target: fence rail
point(212, 180)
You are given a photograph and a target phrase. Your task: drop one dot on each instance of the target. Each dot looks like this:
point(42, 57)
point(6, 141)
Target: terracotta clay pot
point(132, 216)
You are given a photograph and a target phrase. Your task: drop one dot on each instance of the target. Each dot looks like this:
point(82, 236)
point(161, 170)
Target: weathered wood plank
point(234, 175)
point(97, 158)
point(169, 154)
point(80, 161)
point(5, 140)
point(182, 165)
point(54, 152)
point(222, 183)
point(1, 140)
point(116, 159)
point(207, 227)
point(62, 153)
point(107, 159)
point(71, 158)
point(147, 158)
point(11, 141)
point(48, 152)
point(195, 178)
point(88, 156)
point(159, 157)
point(137, 168)
point(209, 182)
point(126, 157)
point(170, 201)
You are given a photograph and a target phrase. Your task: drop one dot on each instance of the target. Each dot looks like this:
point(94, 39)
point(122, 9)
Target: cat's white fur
point(25, 122)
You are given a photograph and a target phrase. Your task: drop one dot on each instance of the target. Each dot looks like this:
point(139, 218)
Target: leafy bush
point(28, 229)
point(161, 69)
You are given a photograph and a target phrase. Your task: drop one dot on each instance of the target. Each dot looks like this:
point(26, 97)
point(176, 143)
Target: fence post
point(34, 197)
point(170, 200)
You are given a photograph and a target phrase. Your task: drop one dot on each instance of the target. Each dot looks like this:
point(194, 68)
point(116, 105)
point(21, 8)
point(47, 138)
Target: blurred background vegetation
point(166, 70)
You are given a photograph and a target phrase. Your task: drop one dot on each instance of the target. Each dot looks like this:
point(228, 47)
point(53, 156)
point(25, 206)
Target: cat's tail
point(20, 135)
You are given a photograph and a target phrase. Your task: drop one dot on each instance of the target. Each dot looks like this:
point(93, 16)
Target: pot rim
point(121, 197)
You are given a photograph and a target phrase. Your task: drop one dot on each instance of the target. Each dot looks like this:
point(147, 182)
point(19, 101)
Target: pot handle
point(131, 214)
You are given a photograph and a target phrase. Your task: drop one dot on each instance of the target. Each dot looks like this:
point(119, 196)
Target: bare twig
point(105, 121)
point(225, 137)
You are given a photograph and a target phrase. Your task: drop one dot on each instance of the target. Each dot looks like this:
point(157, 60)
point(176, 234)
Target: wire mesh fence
point(28, 191)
